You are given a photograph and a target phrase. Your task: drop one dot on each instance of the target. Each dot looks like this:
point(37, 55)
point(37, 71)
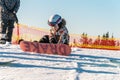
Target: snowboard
point(45, 48)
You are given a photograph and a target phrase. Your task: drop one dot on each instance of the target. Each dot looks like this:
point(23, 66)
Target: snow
point(81, 64)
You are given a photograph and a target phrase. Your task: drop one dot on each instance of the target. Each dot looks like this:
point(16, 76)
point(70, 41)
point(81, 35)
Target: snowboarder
point(8, 17)
point(58, 31)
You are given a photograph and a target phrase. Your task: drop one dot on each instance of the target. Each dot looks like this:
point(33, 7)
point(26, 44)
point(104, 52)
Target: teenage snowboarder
point(58, 32)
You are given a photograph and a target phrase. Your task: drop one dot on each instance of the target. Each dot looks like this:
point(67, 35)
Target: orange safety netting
point(27, 33)
point(34, 34)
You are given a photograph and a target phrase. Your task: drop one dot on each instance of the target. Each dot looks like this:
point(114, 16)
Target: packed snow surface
point(81, 64)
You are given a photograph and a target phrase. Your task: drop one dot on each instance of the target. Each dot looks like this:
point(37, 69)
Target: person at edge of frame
point(9, 8)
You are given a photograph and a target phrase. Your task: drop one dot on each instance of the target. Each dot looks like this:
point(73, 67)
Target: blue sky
point(93, 17)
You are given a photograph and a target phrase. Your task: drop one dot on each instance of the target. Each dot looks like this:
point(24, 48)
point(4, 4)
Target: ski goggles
point(52, 24)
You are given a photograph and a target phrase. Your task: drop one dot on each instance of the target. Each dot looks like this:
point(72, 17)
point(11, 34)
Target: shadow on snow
point(55, 58)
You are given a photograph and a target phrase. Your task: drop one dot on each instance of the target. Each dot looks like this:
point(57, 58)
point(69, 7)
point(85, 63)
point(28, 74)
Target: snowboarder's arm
point(63, 37)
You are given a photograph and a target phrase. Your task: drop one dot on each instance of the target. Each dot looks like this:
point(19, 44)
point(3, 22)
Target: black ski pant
point(7, 28)
point(46, 39)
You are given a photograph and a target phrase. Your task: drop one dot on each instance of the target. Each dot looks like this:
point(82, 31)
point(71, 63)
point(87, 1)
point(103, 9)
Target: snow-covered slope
point(81, 64)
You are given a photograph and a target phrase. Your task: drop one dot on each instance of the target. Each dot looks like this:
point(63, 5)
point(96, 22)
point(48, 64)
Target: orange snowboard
point(47, 48)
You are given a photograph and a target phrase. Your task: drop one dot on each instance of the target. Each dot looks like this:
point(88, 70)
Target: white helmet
point(54, 19)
